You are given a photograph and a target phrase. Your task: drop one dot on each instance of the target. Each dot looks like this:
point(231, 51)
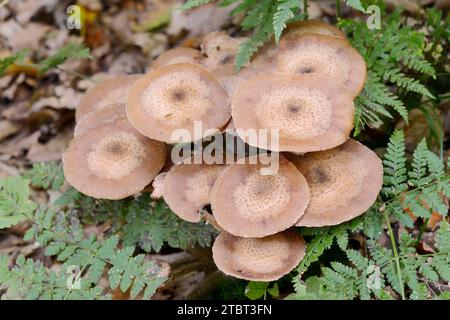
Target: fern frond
point(15, 203)
point(46, 175)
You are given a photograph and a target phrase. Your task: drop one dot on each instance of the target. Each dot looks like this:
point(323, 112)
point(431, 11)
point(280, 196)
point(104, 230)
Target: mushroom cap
point(110, 91)
point(113, 161)
point(248, 204)
point(344, 182)
point(313, 53)
point(99, 117)
point(178, 55)
point(310, 112)
point(297, 29)
point(220, 49)
point(173, 97)
point(187, 188)
point(258, 259)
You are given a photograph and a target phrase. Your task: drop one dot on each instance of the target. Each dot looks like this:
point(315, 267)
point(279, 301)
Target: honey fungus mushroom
point(187, 188)
point(220, 49)
point(311, 112)
point(247, 203)
point(178, 55)
point(297, 29)
point(313, 53)
point(174, 97)
point(99, 117)
point(344, 182)
point(112, 161)
point(258, 259)
point(110, 91)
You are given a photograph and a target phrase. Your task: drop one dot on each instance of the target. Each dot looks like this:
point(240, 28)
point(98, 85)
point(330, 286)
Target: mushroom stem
point(209, 218)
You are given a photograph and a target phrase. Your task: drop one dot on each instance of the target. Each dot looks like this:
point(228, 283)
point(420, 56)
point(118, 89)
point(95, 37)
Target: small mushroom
point(158, 185)
point(313, 53)
point(311, 112)
point(178, 55)
point(111, 91)
point(258, 259)
point(112, 161)
point(174, 97)
point(247, 203)
point(296, 29)
point(344, 182)
point(187, 188)
point(99, 117)
point(220, 49)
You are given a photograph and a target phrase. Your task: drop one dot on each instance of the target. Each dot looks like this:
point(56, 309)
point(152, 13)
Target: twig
point(305, 8)
point(440, 34)
point(396, 257)
point(338, 9)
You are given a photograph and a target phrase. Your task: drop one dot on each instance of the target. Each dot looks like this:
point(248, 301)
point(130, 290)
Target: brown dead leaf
point(52, 150)
point(200, 20)
point(8, 128)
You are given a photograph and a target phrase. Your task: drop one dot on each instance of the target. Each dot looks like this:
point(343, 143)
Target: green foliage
point(283, 13)
point(6, 62)
point(62, 235)
point(46, 175)
point(257, 289)
point(152, 227)
point(69, 51)
point(85, 258)
point(420, 187)
point(15, 203)
point(394, 55)
point(30, 280)
point(355, 4)
point(193, 4)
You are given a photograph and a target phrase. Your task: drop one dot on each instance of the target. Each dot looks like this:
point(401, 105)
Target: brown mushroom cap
point(311, 112)
point(113, 161)
point(187, 188)
point(220, 49)
point(99, 117)
point(110, 91)
point(178, 55)
point(248, 204)
point(258, 259)
point(344, 183)
point(313, 53)
point(297, 29)
point(173, 97)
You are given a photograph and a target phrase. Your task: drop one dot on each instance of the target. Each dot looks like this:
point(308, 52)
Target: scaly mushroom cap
point(111, 91)
point(178, 55)
point(187, 188)
point(173, 97)
point(344, 182)
point(99, 117)
point(113, 161)
point(248, 204)
point(311, 112)
point(297, 29)
point(221, 50)
point(312, 53)
point(258, 259)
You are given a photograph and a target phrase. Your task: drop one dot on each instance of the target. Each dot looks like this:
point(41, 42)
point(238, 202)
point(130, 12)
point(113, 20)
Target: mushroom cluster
point(303, 88)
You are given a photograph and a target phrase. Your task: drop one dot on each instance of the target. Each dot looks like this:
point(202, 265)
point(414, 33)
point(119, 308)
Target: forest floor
point(37, 110)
